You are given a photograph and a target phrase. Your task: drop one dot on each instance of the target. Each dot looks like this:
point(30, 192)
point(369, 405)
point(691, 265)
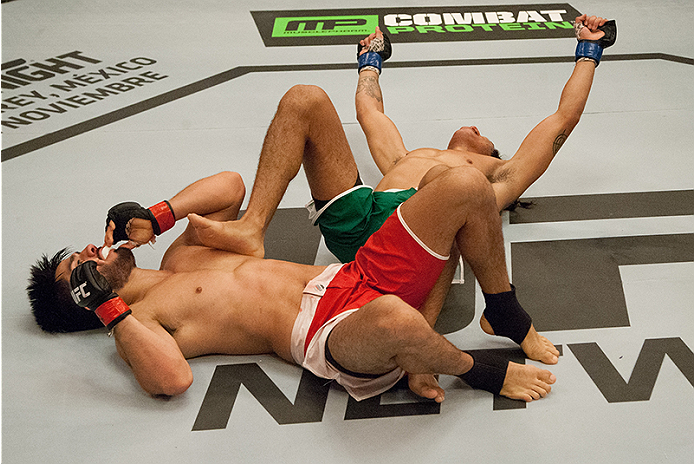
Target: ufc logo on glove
point(78, 293)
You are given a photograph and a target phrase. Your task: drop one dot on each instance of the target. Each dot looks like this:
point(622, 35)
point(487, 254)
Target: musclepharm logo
point(416, 24)
point(324, 26)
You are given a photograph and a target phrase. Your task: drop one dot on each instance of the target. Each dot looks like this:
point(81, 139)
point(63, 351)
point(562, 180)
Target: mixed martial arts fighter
point(348, 212)
point(357, 323)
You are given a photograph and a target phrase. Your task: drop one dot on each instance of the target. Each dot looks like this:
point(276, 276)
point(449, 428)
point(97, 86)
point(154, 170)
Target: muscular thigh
point(328, 161)
point(367, 340)
point(439, 209)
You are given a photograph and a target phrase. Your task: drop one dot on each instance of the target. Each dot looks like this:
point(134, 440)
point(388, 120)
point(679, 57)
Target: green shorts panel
point(348, 222)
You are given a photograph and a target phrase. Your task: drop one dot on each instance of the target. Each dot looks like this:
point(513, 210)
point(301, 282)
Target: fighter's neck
point(139, 283)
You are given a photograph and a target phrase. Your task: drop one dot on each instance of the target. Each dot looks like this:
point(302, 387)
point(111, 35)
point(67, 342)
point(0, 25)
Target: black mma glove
point(160, 215)
point(91, 290)
point(378, 52)
point(592, 49)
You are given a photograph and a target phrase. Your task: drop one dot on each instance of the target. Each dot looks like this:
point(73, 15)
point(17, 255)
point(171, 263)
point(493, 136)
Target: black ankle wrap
point(487, 373)
point(506, 316)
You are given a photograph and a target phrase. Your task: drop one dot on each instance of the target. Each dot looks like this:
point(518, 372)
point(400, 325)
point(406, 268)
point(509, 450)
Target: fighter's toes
point(426, 386)
point(538, 348)
point(526, 382)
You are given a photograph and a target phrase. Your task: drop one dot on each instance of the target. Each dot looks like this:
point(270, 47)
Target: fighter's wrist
point(164, 217)
point(586, 58)
point(369, 68)
point(589, 49)
point(371, 60)
point(112, 311)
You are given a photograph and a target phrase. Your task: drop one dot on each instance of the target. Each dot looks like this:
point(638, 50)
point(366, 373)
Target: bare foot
point(535, 346)
point(427, 386)
point(229, 235)
point(527, 383)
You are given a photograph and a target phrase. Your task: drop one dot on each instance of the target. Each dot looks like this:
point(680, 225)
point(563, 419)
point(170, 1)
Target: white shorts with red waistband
point(314, 358)
point(394, 261)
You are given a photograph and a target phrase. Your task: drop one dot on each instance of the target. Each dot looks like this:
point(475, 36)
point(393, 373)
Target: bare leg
point(459, 206)
point(462, 204)
point(387, 333)
point(306, 129)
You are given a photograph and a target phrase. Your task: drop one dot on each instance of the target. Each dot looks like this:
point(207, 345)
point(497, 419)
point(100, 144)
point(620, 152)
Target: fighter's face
point(116, 268)
point(469, 138)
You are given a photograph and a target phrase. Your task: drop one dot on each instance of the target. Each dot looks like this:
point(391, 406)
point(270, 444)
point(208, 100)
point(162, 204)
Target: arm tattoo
point(369, 85)
point(559, 141)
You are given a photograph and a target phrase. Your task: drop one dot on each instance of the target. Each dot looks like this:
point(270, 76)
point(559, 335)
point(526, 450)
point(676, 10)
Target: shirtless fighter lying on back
point(334, 179)
point(357, 323)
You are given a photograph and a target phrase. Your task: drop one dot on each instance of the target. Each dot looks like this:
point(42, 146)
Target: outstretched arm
point(383, 137)
point(541, 145)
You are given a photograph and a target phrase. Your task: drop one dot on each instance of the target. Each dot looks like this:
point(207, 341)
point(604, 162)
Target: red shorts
point(392, 262)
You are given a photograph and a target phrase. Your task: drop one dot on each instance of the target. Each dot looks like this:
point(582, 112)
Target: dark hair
point(518, 203)
point(51, 302)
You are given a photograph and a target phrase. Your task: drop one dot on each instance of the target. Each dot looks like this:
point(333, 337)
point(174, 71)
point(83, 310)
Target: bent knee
point(391, 310)
point(230, 184)
point(466, 181)
point(304, 96)
point(432, 174)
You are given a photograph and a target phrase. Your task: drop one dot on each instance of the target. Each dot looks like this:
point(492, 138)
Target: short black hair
point(51, 303)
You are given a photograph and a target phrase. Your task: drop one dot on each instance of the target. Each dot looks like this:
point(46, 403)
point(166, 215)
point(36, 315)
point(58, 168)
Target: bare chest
point(222, 312)
point(409, 170)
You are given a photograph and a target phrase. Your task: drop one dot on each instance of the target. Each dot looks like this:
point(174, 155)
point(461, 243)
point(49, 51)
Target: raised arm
point(383, 137)
point(541, 145)
point(218, 197)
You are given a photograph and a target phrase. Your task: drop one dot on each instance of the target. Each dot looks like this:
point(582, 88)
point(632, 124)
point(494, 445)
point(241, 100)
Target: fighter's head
point(49, 287)
point(468, 138)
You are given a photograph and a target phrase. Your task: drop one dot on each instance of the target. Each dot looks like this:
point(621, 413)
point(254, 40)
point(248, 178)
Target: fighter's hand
point(373, 50)
point(91, 290)
point(139, 232)
point(366, 42)
point(586, 27)
point(130, 221)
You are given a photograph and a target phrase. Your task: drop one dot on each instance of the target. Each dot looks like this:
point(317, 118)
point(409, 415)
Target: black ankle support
point(506, 316)
point(487, 373)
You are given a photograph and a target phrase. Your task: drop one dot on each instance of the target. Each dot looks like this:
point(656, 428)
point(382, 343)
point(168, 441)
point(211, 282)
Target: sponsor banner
point(36, 91)
point(416, 24)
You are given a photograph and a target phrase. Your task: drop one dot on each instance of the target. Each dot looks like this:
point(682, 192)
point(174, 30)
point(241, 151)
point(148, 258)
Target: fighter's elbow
point(569, 119)
point(231, 183)
point(171, 385)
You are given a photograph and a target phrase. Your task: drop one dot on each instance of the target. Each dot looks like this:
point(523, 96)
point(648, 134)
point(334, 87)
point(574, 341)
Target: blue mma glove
point(378, 52)
point(592, 49)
